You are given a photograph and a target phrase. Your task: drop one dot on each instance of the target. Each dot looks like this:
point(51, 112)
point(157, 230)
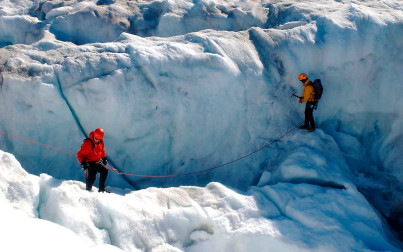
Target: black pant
point(309, 115)
point(93, 168)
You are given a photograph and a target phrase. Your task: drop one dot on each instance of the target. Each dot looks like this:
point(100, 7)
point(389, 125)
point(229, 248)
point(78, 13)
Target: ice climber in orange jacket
point(308, 96)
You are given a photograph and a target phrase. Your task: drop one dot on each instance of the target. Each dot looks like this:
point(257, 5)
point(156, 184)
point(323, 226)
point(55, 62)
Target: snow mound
point(19, 189)
point(187, 218)
point(19, 30)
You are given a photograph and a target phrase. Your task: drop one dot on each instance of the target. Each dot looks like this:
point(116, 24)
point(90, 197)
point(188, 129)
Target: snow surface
point(181, 86)
point(280, 217)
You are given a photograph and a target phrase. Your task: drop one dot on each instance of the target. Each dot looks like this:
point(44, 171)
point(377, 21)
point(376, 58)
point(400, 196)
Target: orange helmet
point(302, 77)
point(99, 133)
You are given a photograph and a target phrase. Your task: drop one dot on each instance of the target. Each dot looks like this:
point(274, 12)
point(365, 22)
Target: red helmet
point(99, 133)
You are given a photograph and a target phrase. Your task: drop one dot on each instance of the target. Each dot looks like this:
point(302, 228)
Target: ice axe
point(294, 94)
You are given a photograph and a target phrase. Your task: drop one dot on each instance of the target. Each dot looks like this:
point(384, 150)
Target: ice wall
point(181, 86)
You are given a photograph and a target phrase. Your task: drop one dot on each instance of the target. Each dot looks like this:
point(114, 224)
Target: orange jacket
point(91, 151)
point(309, 92)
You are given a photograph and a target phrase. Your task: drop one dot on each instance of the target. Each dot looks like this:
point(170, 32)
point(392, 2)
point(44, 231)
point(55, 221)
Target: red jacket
point(91, 151)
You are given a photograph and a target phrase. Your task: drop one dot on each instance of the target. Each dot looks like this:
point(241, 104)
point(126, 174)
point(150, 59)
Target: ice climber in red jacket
point(92, 157)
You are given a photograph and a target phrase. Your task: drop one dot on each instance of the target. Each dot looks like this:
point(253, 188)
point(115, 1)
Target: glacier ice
point(181, 86)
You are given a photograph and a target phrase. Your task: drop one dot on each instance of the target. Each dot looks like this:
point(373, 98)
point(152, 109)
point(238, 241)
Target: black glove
point(104, 161)
point(85, 164)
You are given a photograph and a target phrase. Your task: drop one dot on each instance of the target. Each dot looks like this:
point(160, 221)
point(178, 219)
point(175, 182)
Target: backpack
point(317, 86)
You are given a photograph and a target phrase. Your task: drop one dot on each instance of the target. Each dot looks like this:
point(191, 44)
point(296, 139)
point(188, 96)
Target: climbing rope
point(25, 139)
point(172, 175)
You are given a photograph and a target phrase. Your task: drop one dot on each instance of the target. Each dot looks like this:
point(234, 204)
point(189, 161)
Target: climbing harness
point(172, 175)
